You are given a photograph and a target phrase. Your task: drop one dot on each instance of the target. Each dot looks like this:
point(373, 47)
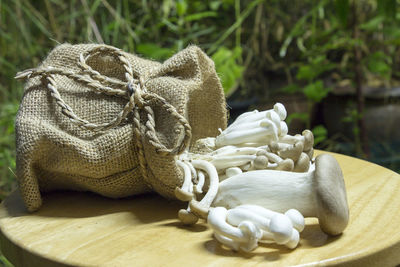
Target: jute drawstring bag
point(95, 118)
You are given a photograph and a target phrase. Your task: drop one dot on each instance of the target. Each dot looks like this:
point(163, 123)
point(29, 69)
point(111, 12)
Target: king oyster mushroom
point(320, 193)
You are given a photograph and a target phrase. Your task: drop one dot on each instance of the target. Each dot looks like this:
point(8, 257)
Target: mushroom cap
point(297, 219)
point(280, 110)
point(310, 153)
point(302, 164)
point(331, 198)
point(183, 195)
point(285, 165)
point(293, 152)
point(281, 227)
point(187, 217)
point(308, 139)
point(260, 162)
point(198, 209)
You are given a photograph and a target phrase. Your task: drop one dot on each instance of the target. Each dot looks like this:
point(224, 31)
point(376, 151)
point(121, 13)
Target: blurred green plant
point(342, 42)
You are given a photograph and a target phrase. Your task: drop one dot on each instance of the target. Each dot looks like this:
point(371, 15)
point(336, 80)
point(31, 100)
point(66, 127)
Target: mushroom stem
point(223, 162)
point(250, 125)
point(183, 193)
point(281, 164)
point(279, 225)
point(320, 193)
point(233, 150)
point(256, 115)
point(201, 208)
point(307, 138)
point(287, 150)
point(246, 234)
point(233, 171)
point(294, 215)
point(264, 134)
point(198, 188)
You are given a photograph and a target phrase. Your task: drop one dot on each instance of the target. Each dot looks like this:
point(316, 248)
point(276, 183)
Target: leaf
point(298, 28)
point(320, 134)
point(316, 91)
point(373, 24)
point(342, 8)
point(201, 15)
point(291, 88)
point(378, 63)
point(302, 116)
point(306, 72)
point(316, 67)
point(387, 8)
point(154, 51)
point(228, 67)
point(181, 7)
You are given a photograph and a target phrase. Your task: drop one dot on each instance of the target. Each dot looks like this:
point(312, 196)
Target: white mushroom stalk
point(253, 183)
point(320, 193)
point(262, 226)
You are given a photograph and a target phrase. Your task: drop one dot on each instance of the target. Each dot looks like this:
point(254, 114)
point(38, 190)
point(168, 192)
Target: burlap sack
point(94, 118)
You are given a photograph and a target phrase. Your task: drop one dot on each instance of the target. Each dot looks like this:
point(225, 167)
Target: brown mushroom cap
point(187, 217)
point(292, 152)
point(332, 207)
point(308, 139)
point(260, 162)
point(285, 165)
point(302, 164)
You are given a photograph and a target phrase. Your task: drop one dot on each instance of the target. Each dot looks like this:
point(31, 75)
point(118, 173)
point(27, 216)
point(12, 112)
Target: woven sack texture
point(95, 118)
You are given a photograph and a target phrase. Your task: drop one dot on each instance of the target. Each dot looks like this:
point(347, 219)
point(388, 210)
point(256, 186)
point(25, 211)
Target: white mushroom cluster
point(253, 182)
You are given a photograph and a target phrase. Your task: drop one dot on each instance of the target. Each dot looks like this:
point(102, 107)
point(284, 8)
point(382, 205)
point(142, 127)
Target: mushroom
point(274, 227)
point(255, 115)
point(320, 193)
point(253, 124)
point(281, 164)
point(307, 138)
point(201, 208)
point(310, 153)
point(183, 193)
point(294, 215)
point(260, 162)
point(286, 150)
point(223, 162)
point(233, 150)
point(198, 188)
point(302, 164)
point(187, 217)
point(266, 133)
point(233, 171)
point(278, 228)
point(246, 234)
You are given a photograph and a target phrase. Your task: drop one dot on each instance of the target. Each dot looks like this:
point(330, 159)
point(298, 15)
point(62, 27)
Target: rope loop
point(133, 89)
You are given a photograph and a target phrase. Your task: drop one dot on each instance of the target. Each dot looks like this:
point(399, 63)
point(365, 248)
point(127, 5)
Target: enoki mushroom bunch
point(254, 141)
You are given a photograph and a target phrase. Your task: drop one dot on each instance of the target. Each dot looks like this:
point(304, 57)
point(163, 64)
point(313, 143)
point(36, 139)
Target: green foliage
point(7, 148)
point(228, 67)
point(320, 134)
point(154, 51)
point(316, 91)
point(379, 63)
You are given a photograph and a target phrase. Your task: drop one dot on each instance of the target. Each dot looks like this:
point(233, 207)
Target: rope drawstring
point(133, 89)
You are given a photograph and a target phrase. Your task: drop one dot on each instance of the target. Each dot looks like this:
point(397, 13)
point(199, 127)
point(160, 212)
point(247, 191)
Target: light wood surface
point(88, 230)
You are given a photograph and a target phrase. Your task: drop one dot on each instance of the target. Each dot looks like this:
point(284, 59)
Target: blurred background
point(333, 64)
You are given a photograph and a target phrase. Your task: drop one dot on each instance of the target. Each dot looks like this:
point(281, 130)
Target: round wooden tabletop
point(83, 229)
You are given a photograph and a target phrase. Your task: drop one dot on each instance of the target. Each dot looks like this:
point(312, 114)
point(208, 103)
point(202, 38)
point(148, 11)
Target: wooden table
point(89, 230)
